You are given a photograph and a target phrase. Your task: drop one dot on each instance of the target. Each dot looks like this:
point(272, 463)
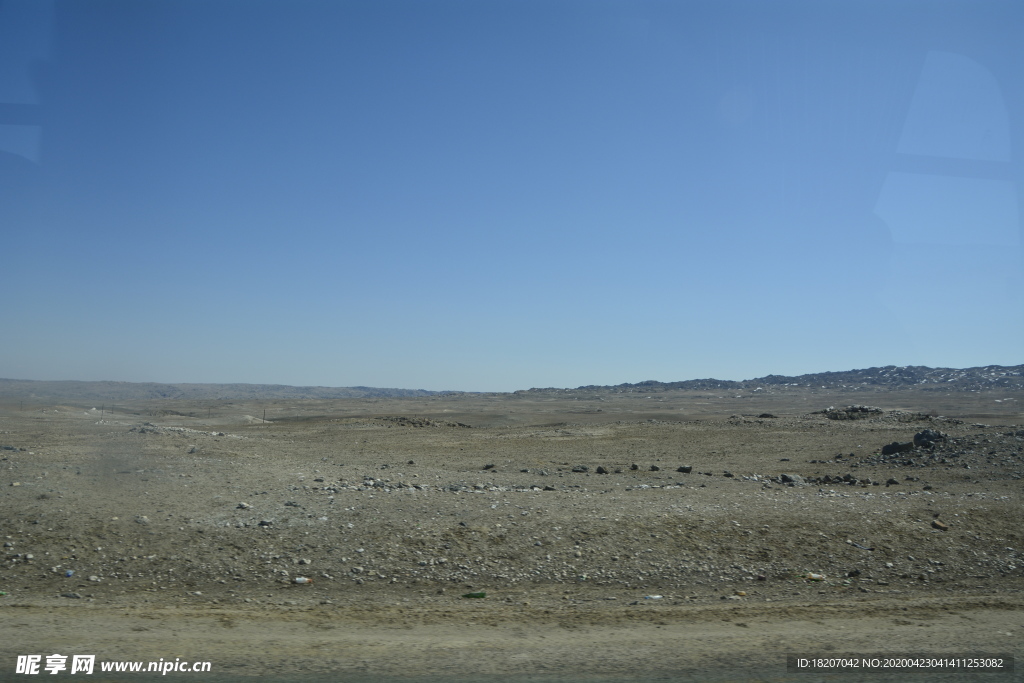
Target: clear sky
point(503, 194)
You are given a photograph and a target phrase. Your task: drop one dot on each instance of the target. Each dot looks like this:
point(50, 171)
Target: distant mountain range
point(140, 391)
point(888, 377)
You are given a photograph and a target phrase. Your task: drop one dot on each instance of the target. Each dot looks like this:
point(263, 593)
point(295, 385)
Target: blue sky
point(497, 195)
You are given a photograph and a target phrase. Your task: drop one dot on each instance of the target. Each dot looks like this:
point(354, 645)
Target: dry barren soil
point(680, 535)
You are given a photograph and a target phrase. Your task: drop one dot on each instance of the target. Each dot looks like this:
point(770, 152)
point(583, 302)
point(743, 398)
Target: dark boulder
point(897, 447)
point(928, 438)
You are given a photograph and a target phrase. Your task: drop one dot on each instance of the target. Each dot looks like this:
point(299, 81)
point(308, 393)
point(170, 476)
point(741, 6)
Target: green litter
point(475, 595)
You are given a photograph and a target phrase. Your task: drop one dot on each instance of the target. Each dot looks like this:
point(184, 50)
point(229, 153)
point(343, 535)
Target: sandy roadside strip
point(475, 640)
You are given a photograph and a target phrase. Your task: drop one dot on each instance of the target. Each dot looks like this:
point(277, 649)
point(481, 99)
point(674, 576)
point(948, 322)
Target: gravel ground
point(393, 510)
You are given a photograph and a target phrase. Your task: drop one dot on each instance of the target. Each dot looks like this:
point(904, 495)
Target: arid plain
point(177, 528)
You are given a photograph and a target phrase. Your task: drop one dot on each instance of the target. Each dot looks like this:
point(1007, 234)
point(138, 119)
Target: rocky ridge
point(887, 377)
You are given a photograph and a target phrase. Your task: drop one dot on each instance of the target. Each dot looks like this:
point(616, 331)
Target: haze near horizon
point(504, 195)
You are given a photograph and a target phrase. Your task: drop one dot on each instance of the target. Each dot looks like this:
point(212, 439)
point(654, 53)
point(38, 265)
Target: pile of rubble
point(403, 421)
point(855, 412)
